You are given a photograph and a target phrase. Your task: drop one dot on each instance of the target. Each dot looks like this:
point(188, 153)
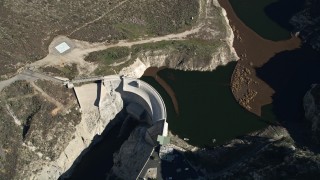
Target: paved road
point(40, 76)
point(7, 82)
point(28, 75)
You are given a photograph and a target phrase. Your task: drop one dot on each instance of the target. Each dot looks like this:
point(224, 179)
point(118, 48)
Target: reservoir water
point(268, 18)
point(290, 73)
point(207, 108)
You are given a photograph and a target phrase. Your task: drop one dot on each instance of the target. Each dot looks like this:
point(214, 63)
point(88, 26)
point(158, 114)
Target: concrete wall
point(136, 91)
point(149, 95)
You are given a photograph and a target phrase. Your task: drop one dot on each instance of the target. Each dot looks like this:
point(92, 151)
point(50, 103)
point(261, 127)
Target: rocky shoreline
point(146, 60)
point(269, 153)
point(311, 104)
point(246, 87)
point(91, 125)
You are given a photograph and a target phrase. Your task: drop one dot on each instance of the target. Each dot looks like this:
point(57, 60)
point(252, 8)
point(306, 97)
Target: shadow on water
point(281, 11)
point(291, 74)
point(227, 157)
point(96, 161)
point(268, 18)
point(208, 109)
point(179, 168)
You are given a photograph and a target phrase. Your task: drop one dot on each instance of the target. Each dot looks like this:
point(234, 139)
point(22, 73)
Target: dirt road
point(82, 49)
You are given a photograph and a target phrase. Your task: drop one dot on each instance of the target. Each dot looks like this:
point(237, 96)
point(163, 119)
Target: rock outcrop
point(41, 144)
point(161, 58)
point(307, 24)
point(132, 156)
point(93, 122)
point(267, 154)
point(311, 104)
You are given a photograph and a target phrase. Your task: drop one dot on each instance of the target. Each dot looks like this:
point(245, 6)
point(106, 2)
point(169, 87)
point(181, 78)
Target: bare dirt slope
point(34, 124)
point(27, 27)
point(40, 118)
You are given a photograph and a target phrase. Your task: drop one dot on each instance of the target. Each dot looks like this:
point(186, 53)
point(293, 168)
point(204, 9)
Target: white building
point(63, 47)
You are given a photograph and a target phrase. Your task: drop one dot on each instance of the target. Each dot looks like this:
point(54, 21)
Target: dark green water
point(207, 107)
point(268, 18)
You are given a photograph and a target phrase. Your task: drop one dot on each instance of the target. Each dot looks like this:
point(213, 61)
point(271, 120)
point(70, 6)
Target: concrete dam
point(140, 99)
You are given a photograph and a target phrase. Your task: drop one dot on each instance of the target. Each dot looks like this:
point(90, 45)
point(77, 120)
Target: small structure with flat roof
point(63, 47)
point(163, 140)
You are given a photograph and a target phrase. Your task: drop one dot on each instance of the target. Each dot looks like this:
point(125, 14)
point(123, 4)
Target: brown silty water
point(254, 51)
point(153, 72)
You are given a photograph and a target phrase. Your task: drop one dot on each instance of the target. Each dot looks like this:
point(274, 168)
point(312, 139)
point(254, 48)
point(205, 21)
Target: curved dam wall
point(156, 107)
point(139, 92)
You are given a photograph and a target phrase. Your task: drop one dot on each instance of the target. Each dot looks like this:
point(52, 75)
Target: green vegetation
point(17, 89)
point(112, 60)
point(57, 91)
point(156, 17)
point(134, 19)
point(179, 45)
point(65, 71)
point(130, 20)
point(131, 30)
point(193, 48)
point(104, 70)
point(10, 139)
point(166, 17)
point(39, 123)
point(152, 46)
point(109, 56)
